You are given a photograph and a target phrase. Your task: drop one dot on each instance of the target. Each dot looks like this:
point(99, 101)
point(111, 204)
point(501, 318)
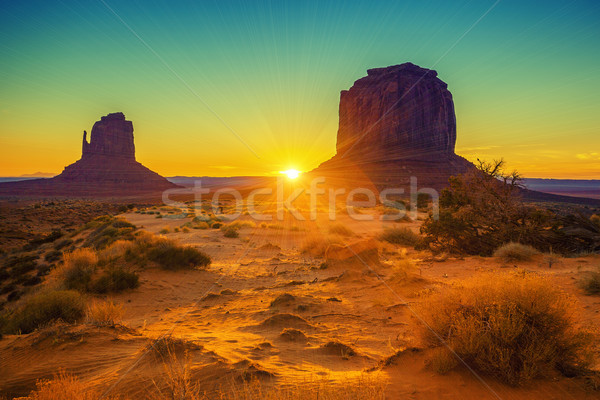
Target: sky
point(223, 88)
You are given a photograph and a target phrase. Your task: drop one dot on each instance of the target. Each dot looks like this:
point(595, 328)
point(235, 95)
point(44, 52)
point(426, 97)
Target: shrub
point(317, 246)
point(515, 326)
point(591, 284)
point(164, 230)
point(104, 313)
point(46, 307)
point(595, 219)
point(115, 279)
point(340, 229)
point(402, 236)
point(170, 256)
point(230, 233)
point(78, 268)
point(515, 252)
point(64, 387)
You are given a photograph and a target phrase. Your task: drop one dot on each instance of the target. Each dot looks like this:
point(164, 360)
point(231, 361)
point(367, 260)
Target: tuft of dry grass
point(78, 268)
point(317, 246)
point(401, 236)
point(513, 251)
point(64, 387)
point(340, 229)
point(104, 313)
point(47, 307)
point(591, 283)
point(516, 326)
point(164, 230)
point(364, 387)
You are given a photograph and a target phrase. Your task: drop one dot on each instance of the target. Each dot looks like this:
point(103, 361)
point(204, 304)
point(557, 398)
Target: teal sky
point(238, 87)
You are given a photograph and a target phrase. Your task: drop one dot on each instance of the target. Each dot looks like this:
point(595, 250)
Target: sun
point(291, 173)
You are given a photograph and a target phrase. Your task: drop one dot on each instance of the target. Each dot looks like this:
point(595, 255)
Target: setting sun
point(291, 173)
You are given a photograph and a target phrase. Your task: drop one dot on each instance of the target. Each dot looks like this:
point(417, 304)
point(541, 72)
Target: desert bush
point(317, 246)
point(229, 232)
point(164, 230)
point(340, 229)
point(591, 283)
point(402, 269)
point(241, 224)
point(515, 252)
point(515, 326)
point(114, 279)
point(78, 268)
point(115, 250)
point(65, 387)
point(106, 230)
point(101, 313)
point(45, 307)
point(402, 236)
point(482, 209)
point(53, 255)
point(171, 256)
point(595, 219)
point(59, 245)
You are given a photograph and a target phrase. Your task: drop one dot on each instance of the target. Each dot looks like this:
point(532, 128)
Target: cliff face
point(395, 123)
point(403, 108)
point(111, 136)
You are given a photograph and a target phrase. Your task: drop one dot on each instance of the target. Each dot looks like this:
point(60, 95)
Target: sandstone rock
point(395, 123)
point(107, 167)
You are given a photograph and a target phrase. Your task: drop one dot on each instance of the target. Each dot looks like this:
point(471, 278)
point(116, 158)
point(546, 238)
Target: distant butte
point(395, 123)
point(107, 167)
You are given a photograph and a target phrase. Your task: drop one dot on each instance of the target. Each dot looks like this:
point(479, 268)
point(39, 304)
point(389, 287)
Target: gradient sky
point(250, 87)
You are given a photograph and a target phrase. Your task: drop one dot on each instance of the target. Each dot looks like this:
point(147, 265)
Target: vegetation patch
point(515, 326)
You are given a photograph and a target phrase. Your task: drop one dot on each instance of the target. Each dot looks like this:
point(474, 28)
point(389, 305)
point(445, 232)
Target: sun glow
point(291, 173)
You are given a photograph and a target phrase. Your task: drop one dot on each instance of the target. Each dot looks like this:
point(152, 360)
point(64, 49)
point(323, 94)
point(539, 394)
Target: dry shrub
point(164, 230)
point(591, 283)
point(104, 313)
point(64, 387)
point(442, 360)
point(402, 269)
point(340, 229)
point(364, 387)
point(78, 268)
point(47, 307)
point(513, 251)
point(241, 224)
point(115, 250)
point(317, 246)
point(402, 236)
point(169, 255)
point(515, 326)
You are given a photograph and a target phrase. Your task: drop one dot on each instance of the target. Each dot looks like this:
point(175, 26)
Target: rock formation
point(107, 167)
point(395, 123)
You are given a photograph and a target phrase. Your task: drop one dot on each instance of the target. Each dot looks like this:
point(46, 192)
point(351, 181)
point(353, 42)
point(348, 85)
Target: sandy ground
point(232, 319)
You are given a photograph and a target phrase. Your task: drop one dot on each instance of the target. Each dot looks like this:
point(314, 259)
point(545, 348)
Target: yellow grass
point(102, 313)
point(516, 326)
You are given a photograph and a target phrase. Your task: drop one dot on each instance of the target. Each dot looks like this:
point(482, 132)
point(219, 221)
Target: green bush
point(65, 305)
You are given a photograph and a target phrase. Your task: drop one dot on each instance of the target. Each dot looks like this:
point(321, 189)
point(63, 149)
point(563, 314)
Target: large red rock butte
point(107, 167)
point(395, 123)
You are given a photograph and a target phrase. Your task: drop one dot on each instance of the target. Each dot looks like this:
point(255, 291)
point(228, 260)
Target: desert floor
point(267, 310)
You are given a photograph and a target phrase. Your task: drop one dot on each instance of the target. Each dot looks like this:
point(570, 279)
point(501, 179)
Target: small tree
point(482, 209)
